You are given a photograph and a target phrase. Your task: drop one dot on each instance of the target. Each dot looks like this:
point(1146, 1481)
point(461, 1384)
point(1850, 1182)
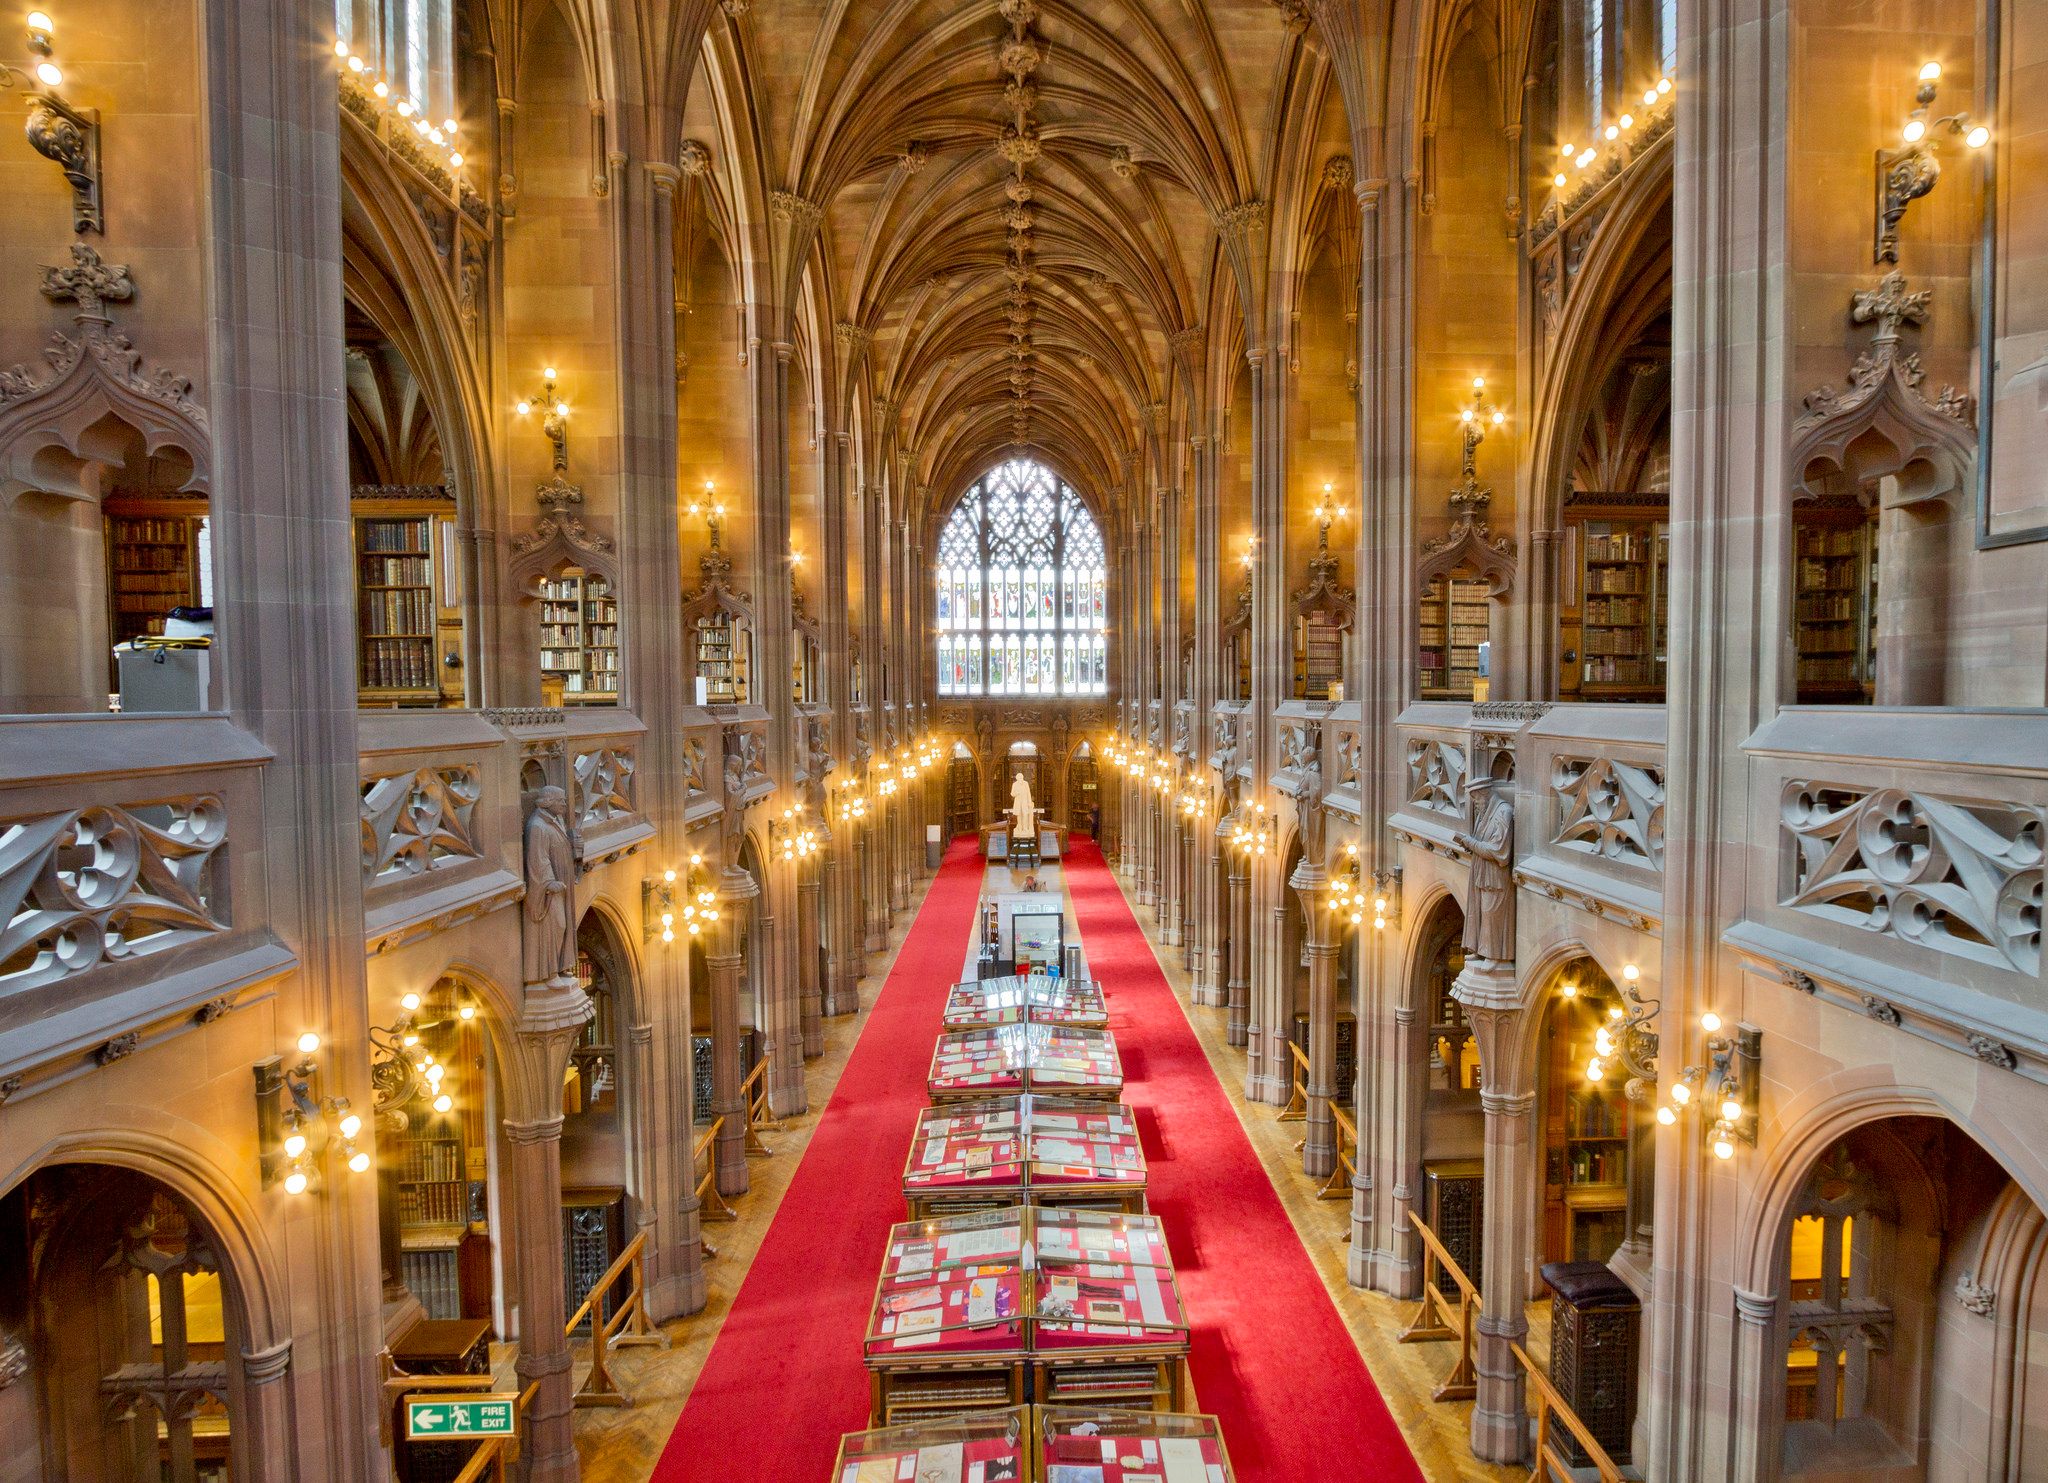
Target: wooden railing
point(628, 1325)
point(710, 1204)
point(1338, 1185)
point(1551, 1465)
point(754, 1090)
point(1297, 1099)
point(1437, 1317)
point(492, 1458)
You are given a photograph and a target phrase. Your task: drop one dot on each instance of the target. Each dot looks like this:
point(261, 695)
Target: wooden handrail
point(1338, 1185)
point(754, 1094)
point(710, 1204)
point(1436, 1317)
point(628, 1325)
point(1297, 1099)
point(1550, 1464)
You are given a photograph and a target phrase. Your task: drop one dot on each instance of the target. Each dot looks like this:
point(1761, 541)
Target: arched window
point(1023, 537)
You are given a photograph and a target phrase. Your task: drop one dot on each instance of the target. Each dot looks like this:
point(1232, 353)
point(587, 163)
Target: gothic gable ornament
point(1882, 424)
point(559, 537)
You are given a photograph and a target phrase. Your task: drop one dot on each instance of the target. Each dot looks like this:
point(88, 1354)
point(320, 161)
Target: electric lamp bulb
point(524, 408)
point(1566, 150)
point(1614, 1011)
point(468, 1011)
point(1499, 418)
point(1681, 1093)
point(1930, 72)
point(1627, 120)
point(295, 1182)
point(668, 935)
point(409, 1003)
point(340, 47)
point(1663, 84)
point(1595, 1071)
point(1666, 1116)
point(1586, 157)
point(1630, 972)
point(1649, 97)
point(405, 108)
point(382, 89)
point(1731, 1110)
point(1603, 1042)
point(547, 373)
point(455, 159)
point(448, 125)
point(1915, 130)
point(358, 1162)
point(1978, 137)
point(410, 1041)
point(355, 64)
point(1723, 1149)
point(1710, 1022)
point(561, 409)
point(349, 1126)
point(444, 1103)
point(435, 1072)
point(1569, 991)
point(308, 1043)
point(294, 1145)
point(1610, 132)
point(48, 75)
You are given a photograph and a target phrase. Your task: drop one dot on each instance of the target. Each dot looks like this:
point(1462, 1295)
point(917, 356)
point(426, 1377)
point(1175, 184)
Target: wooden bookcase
point(1586, 1139)
point(396, 612)
point(579, 636)
point(1834, 550)
point(1456, 617)
point(724, 658)
point(152, 565)
point(1318, 655)
point(1616, 619)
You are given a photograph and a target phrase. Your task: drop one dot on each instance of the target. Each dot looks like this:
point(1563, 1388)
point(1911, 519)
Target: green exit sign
point(429, 1418)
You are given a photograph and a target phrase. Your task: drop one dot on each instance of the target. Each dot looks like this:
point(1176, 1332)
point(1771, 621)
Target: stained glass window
point(1027, 538)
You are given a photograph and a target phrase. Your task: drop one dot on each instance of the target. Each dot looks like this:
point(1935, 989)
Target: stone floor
point(620, 1446)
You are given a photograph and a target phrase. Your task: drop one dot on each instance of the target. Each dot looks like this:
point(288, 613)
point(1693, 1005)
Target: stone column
point(1500, 1421)
point(736, 888)
point(1319, 1142)
point(875, 906)
point(264, 1440)
point(1237, 988)
point(810, 897)
point(553, 1016)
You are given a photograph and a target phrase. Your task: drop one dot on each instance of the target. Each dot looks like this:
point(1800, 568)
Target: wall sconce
point(789, 832)
point(1326, 511)
point(294, 1124)
point(1724, 1089)
point(67, 136)
point(853, 804)
point(1909, 172)
point(554, 419)
point(1474, 421)
point(1194, 799)
point(660, 914)
point(1253, 832)
point(402, 1068)
point(712, 511)
point(658, 908)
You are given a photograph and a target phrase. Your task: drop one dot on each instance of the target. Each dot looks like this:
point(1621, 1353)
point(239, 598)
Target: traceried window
point(1022, 589)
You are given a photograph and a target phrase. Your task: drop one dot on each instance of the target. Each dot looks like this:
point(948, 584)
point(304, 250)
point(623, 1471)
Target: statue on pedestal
point(1023, 810)
point(548, 941)
point(1490, 907)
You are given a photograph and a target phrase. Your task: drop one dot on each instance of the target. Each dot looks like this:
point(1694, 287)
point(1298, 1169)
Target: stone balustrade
point(1896, 868)
point(1589, 808)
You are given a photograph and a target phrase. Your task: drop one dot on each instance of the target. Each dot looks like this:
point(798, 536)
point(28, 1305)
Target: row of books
point(398, 664)
point(396, 571)
point(409, 612)
point(393, 535)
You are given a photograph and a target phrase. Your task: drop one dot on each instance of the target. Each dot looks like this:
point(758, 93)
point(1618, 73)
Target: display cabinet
point(1129, 1446)
point(986, 1446)
point(1023, 1058)
point(1021, 999)
point(984, 1309)
point(1015, 1150)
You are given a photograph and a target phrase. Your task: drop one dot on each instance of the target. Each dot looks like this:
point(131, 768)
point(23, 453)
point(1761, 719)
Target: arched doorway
point(127, 1325)
point(596, 1132)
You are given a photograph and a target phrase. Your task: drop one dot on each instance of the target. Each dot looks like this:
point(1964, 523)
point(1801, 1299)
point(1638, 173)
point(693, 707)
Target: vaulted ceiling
point(1015, 214)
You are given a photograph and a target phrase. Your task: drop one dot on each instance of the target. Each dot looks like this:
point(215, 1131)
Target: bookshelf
point(1621, 565)
point(152, 567)
point(1318, 655)
point(1586, 1135)
point(724, 658)
point(579, 636)
point(396, 613)
point(1834, 549)
point(1455, 619)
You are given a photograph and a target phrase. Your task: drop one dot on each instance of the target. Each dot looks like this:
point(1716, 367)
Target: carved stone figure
point(549, 939)
point(1022, 808)
point(1490, 911)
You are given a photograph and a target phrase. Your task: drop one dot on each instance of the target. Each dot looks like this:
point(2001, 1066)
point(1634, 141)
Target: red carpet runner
point(784, 1377)
point(1272, 1359)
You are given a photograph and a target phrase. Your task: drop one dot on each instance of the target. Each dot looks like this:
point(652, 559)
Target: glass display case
point(1024, 1058)
point(1012, 1150)
point(983, 1446)
point(1025, 998)
point(1077, 1442)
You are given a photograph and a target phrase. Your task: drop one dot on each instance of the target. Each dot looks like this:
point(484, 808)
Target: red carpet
point(784, 1377)
point(1272, 1359)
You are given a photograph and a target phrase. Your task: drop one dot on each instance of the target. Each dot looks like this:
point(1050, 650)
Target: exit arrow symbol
point(429, 1420)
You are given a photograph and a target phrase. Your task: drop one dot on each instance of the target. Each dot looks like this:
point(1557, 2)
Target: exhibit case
point(1013, 1150)
point(1019, 999)
point(974, 1447)
point(1075, 1444)
point(1003, 1306)
point(1024, 1058)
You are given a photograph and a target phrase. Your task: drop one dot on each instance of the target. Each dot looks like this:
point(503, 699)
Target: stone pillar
point(810, 897)
point(1237, 987)
point(728, 965)
point(874, 908)
point(553, 1016)
point(1500, 1422)
point(264, 1439)
point(1319, 1141)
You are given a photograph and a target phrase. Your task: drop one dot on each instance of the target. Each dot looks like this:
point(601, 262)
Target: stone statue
point(1021, 807)
point(1490, 909)
point(549, 938)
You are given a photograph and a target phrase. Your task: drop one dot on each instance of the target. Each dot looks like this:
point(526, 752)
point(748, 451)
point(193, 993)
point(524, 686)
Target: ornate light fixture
point(853, 804)
point(1253, 833)
point(711, 510)
point(660, 912)
point(406, 110)
point(797, 841)
point(295, 1124)
point(1723, 1088)
point(1571, 154)
point(67, 136)
point(554, 416)
point(1909, 172)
